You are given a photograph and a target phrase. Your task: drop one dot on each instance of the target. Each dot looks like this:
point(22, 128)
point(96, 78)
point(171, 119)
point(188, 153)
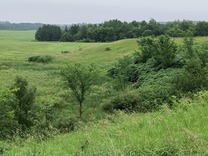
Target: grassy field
point(17, 47)
point(182, 131)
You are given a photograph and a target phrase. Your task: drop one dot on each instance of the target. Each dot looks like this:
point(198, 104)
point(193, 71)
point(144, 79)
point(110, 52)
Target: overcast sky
point(97, 11)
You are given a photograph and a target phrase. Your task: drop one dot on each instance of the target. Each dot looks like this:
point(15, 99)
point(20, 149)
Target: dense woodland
point(116, 30)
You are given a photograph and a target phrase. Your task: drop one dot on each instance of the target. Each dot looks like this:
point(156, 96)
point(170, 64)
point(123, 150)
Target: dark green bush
point(155, 95)
point(24, 101)
point(162, 49)
point(128, 102)
point(40, 59)
point(65, 52)
point(65, 125)
point(107, 49)
point(8, 122)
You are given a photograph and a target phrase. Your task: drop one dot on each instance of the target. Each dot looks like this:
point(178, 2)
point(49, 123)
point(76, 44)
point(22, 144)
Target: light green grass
point(17, 47)
point(168, 132)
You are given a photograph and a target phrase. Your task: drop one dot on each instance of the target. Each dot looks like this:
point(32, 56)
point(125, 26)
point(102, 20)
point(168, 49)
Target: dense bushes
point(127, 101)
point(16, 106)
point(160, 70)
point(7, 117)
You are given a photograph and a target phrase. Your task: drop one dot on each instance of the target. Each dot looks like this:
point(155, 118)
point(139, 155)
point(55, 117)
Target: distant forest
point(19, 26)
point(116, 30)
point(111, 30)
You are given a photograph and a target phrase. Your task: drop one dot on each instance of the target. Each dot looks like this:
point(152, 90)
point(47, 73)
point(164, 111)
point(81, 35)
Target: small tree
point(24, 100)
point(8, 124)
point(79, 79)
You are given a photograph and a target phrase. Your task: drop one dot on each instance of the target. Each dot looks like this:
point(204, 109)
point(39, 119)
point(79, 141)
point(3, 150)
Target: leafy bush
point(162, 49)
point(8, 123)
point(65, 125)
point(65, 52)
point(24, 100)
point(194, 76)
point(40, 59)
point(107, 49)
point(128, 102)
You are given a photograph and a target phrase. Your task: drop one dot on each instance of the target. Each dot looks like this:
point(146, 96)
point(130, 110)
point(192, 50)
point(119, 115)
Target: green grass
point(181, 132)
point(168, 132)
point(17, 47)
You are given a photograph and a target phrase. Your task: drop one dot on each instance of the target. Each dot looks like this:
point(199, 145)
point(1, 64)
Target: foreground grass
point(168, 132)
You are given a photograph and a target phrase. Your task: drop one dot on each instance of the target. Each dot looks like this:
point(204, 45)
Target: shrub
point(65, 52)
point(155, 95)
point(40, 59)
point(65, 125)
point(8, 123)
point(128, 102)
point(107, 49)
point(24, 100)
point(162, 49)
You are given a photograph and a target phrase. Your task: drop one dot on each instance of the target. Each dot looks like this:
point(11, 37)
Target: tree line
point(19, 26)
point(116, 30)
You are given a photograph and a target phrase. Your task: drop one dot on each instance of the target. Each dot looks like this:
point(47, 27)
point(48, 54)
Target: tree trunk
point(80, 110)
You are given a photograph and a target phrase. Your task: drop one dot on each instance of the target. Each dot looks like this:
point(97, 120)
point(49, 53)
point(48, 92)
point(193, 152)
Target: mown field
point(181, 131)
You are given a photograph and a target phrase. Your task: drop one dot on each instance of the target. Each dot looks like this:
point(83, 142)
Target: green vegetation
point(80, 80)
point(40, 59)
point(148, 105)
point(114, 30)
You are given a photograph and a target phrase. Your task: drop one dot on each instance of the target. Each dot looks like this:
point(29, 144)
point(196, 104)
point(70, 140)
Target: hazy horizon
point(92, 11)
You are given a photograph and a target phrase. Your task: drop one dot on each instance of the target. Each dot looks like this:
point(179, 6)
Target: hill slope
point(169, 132)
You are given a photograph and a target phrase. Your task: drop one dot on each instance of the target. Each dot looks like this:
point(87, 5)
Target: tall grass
point(182, 131)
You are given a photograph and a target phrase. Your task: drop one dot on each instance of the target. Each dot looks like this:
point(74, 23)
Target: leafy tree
point(161, 49)
point(48, 33)
point(201, 28)
point(79, 79)
point(7, 118)
point(24, 100)
point(194, 77)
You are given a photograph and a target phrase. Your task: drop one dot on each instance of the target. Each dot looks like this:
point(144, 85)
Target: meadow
point(178, 131)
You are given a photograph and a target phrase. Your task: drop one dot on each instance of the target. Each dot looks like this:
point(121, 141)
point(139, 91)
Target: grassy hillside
point(181, 131)
point(17, 47)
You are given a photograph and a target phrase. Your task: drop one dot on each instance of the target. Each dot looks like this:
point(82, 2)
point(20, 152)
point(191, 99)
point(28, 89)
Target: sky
point(98, 11)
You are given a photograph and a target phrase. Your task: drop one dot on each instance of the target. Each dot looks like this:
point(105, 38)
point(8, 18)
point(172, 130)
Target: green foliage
point(7, 117)
point(40, 59)
point(65, 125)
point(24, 101)
point(107, 49)
point(166, 132)
point(161, 49)
point(79, 79)
point(194, 76)
point(201, 28)
point(48, 33)
point(65, 52)
point(127, 101)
